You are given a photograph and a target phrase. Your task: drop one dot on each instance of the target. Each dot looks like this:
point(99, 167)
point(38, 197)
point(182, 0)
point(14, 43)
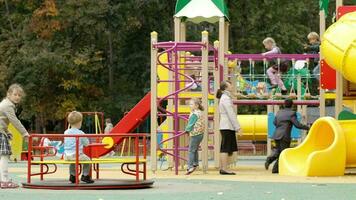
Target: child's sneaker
point(8, 185)
point(72, 179)
point(87, 179)
point(190, 170)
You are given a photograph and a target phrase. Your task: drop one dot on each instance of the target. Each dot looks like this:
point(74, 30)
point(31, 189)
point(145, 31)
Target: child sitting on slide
point(272, 72)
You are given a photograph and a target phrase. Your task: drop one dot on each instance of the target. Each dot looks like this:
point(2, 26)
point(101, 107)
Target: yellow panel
point(163, 74)
point(186, 109)
point(330, 95)
point(194, 95)
point(254, 127)
point(182, 84)
point(16, 143)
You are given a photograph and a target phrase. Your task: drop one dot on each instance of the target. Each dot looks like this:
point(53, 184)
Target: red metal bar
point(47, 153)
point(47, 170)
point(144, 157)
point(41, 165)
point(29, 159)
point(76, 160)
point(137, 158)
point(97, 170)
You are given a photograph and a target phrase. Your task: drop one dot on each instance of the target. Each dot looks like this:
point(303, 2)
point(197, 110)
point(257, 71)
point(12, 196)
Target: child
point(272, 72)
point(313, 48)
point(195, 128)
point(7, 115)
point(196, 86)
point(284, 121)
point(228, 126)
point(108, 128)
point(271, 46)
point(75, 121)
point(108, 125)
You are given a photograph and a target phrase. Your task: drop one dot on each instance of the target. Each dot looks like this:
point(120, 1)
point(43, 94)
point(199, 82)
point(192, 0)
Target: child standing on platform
point(314, 48)
point(75, 120)
point(195, 128)
point(7, 115)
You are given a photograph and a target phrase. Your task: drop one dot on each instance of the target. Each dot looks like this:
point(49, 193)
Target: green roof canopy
point(202, 10)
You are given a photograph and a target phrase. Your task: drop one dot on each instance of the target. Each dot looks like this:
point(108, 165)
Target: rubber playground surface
point(251, 182)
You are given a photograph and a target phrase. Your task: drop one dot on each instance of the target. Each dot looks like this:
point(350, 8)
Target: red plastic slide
point(126, 125)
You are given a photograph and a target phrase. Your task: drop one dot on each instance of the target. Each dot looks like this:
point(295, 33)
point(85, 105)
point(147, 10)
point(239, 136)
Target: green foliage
point(95, 55)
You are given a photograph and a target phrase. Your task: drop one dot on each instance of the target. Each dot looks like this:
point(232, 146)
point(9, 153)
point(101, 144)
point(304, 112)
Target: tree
point(95, 55)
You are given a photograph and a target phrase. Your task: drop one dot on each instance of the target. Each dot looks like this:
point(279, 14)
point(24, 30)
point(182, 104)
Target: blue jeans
point(316, 72)
point(193, 150)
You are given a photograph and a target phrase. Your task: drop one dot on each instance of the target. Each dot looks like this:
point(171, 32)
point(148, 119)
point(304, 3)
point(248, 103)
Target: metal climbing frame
point(172, 57)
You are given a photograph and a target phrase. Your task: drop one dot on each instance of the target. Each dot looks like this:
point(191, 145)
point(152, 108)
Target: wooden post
point(322, 91)
point(299, 92)
point(276, 108)
point(226, 32)
point(177, 29)
point(234, 80)
point(183, 32)
point(222, 46)
point(205, 91)
point(269, 144)
point(304, 119)
point(183, 140)
point(216, 115)
point(154, 38)
point(339, 79)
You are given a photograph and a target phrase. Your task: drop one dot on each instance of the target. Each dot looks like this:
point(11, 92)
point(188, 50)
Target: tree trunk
point(8, 17)
point(38, 124)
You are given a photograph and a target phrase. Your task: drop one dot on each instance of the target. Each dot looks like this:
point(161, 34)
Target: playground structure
point(172, 67)
point(174, 63)
point(215, 64)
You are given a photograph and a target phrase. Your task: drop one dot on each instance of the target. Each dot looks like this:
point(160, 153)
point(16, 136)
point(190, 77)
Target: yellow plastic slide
point(330, 145)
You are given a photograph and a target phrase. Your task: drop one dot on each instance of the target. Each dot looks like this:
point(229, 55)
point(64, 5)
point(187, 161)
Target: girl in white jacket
point(229, 126)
